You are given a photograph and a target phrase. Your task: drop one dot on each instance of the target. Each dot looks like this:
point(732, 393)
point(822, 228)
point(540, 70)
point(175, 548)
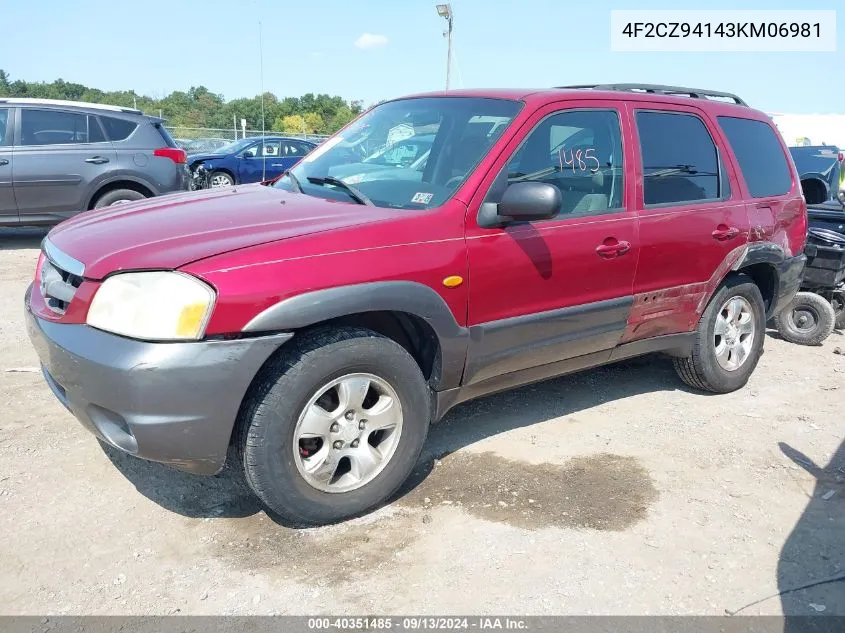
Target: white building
point(811, 129)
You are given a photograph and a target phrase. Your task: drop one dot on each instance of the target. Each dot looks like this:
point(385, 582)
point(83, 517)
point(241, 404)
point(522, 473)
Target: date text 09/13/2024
point(416, 623)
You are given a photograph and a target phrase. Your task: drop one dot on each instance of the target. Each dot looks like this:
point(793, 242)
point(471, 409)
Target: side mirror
point(522, 202)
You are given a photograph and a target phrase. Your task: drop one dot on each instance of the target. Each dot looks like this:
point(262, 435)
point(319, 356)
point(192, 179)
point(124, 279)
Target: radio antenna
point(263, 132)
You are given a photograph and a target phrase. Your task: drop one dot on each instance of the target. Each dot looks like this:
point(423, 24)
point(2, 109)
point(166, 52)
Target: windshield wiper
point(356, 195)
point(294, 182)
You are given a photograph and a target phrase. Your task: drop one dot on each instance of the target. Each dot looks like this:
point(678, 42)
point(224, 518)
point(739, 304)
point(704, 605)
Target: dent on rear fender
point(679, 308)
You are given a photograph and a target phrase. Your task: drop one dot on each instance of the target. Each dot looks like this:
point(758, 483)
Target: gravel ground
point(615, 491)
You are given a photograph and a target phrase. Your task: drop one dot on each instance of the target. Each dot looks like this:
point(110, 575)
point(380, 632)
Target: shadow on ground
point(22, 239)
point(814, 552)
point(227, 494)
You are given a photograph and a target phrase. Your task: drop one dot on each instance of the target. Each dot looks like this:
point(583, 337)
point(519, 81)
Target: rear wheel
point(118, 196)
point(729, 339)
point(334, 426)
point(808, 320)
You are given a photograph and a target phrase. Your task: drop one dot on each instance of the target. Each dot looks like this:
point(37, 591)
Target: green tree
point(199, 107)
point(291, 124)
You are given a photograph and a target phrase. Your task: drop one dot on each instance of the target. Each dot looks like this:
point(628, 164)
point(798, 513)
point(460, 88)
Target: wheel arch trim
point(310, 308)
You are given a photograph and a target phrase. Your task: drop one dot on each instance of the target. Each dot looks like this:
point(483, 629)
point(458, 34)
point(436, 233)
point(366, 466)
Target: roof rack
point(660, 89)
point(60, 102)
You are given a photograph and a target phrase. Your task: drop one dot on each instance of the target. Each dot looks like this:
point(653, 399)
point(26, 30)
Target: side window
point(291, 148)
point(4, 119)
point(95, 132)
point(760, 156)
point(58, 127)
point(680, 160)
point(118, 129)
point(579, 152)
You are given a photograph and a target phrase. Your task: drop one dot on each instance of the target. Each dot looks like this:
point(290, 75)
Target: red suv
point(537, 233)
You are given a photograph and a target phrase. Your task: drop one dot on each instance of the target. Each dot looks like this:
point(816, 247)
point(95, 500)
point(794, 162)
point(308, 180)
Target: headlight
point(153, 306)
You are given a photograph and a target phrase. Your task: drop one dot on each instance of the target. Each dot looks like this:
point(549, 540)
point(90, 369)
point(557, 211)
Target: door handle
point(97, 160)
point(723, 232)
point(3, 161)
point(276, 165)
point(613, 250)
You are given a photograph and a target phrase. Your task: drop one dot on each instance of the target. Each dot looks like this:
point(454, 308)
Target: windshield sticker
point(422, 198)
point(322, 149)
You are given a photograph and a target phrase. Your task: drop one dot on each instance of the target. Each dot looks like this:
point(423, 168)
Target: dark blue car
point(251, 159)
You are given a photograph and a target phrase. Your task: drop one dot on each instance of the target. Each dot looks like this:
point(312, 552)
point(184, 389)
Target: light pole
point(445, 11)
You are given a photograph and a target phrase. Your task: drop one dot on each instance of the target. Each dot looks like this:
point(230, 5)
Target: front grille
point(58, 285)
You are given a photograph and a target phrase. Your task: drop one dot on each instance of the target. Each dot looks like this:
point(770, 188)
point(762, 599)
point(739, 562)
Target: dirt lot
point(614, 491)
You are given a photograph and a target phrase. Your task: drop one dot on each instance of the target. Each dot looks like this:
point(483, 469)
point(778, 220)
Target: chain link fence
point(207, 139)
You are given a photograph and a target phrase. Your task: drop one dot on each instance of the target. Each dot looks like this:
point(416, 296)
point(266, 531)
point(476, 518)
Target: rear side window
point(58, 127)
point(680, 160)
point(760, 155)
point(165, 135)
point(118, 129)
point(4, 118)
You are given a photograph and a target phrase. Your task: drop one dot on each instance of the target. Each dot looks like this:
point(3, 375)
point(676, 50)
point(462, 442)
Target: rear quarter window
point(118, 129)
point(760, 155)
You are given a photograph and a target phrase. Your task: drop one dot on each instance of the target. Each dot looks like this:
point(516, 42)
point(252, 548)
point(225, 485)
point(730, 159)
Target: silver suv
point(58, 158)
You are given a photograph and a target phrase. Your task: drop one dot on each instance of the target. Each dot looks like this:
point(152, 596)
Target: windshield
point(406, 154)
point(233, 147)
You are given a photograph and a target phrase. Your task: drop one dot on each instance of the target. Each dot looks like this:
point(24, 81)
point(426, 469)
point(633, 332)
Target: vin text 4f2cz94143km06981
point(320, 323)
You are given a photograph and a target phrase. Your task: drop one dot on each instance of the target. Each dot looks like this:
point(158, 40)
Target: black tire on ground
point(701, 370)
point(221, 174)
point(269, 415)
point(117, 196)
point(808, 320)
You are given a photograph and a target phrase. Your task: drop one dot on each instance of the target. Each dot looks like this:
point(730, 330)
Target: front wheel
point(334, 425)
point(220, 179)
point(808, 320)
point(728, 340)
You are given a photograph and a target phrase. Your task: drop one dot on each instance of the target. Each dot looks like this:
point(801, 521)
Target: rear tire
point(729, 339)
point(319, 468)
point(808, 320)
point(117, 196)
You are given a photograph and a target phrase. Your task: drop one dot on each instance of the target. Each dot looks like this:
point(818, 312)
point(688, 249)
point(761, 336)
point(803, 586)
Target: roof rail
point(61, 102)
point(660, 89)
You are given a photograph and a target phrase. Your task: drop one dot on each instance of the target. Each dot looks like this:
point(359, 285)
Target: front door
point(8, 207)
point(59, 154)
point(547, 291)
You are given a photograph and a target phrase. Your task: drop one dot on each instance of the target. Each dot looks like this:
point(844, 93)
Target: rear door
point(261, 161)
point(291, 153)
point(8, 207)
point(692, 216)
point(59, 153)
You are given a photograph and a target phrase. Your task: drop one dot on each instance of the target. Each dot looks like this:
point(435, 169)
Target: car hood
point(171, 231)
point(192, 158)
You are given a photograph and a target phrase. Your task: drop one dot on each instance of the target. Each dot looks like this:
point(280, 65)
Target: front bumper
point(790, 272)
point(166, 402)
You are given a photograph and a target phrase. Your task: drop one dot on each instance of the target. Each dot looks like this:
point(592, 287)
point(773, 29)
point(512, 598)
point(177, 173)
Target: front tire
point(808, 320)
point(333, 426)
point(729, 339)
point(220, 179)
